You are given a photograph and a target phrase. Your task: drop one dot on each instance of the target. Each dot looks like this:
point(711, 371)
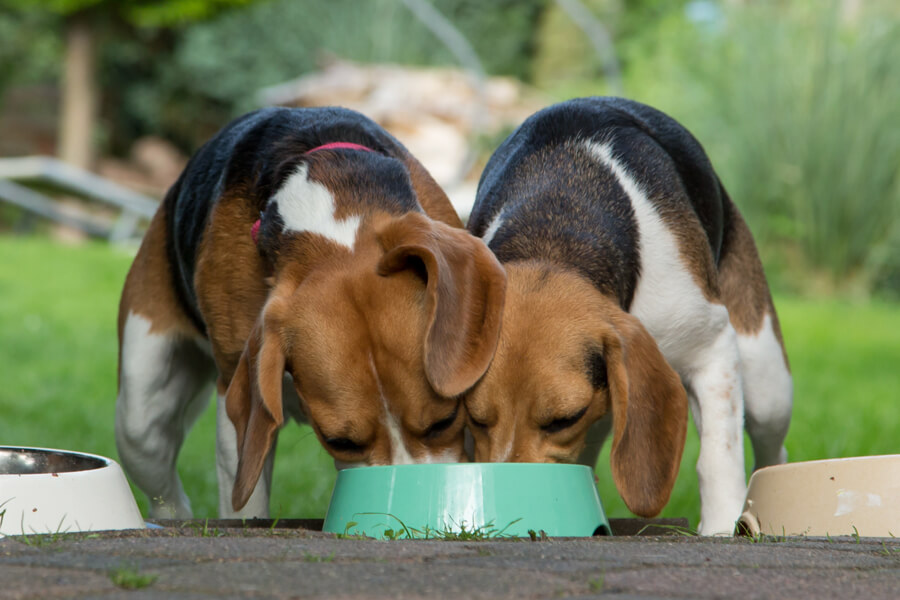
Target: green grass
point(58, 309)
point(455, 532)
point(129, 578)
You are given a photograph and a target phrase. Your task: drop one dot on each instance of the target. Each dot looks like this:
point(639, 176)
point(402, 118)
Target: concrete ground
point(226, 559)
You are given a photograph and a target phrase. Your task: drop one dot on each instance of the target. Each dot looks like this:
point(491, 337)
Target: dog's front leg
point(226, 469)
point(715, 392)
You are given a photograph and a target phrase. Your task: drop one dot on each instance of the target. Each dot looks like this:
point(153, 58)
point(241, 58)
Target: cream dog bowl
point(842, 496)
point(55, 491)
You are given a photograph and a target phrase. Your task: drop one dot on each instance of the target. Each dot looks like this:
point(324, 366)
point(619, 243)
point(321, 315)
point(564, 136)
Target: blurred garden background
point(796, 103)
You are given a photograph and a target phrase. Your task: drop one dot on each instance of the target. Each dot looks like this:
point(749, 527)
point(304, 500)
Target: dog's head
point(567, 357)
point(382, 320)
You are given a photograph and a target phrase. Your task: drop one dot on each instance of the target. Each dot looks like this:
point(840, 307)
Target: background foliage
point(796, 106)
point(794, 101)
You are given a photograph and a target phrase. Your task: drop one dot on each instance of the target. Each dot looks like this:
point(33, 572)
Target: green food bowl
point(482, 499)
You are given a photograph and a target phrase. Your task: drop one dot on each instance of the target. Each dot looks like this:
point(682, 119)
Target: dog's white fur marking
point(665, 281)
point(505, 453)
point(159, 398)
point(715, 392)
point(308, 206)
point(447, 456)
point(491, 231)
point(768, 394)
point(699, 342)
point(400, 454)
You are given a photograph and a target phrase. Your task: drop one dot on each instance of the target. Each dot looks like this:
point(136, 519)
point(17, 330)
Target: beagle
point(634, 290)
point(308, 266)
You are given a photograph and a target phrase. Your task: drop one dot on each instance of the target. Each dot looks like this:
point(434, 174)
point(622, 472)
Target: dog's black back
point(253, 155)
point(559, 202)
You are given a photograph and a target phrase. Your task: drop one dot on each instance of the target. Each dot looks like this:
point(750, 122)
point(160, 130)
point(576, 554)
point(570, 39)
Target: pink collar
point(340, 146)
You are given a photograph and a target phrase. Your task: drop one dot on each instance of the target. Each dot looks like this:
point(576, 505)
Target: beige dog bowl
point(55, 491)
point(843, 496)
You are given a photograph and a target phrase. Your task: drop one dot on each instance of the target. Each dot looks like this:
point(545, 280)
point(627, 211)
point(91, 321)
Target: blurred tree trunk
point(78, 113)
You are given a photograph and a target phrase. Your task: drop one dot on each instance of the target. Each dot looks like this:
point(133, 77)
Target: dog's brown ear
point(649, 409)
point(253, 403)
point(465, 290)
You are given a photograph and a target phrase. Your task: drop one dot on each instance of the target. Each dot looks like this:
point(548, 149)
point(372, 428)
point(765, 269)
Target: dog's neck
point(326, 204)
point(294, 256)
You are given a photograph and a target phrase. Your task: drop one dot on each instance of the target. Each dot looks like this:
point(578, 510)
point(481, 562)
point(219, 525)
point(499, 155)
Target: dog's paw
point(717, 527)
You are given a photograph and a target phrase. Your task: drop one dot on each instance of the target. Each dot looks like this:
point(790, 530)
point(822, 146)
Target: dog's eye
point(343, 445)
point(557, 425)
point(442, 425)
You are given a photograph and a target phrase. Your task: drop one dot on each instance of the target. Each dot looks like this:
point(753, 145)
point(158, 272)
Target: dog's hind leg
point(768, 387)
point(768, 392)
point(165, 383)
point(165, 379)
point(713, 381)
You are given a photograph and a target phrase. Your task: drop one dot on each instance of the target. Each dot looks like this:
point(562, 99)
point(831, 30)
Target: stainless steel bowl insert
point(34, 461)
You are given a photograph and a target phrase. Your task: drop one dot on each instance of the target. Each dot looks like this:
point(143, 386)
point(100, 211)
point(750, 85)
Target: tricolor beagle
point(298, 247)
point(634, 286)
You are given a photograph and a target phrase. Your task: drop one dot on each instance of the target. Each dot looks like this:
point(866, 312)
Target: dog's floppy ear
point(649, 410)
point(253, 403)
point(465, 291)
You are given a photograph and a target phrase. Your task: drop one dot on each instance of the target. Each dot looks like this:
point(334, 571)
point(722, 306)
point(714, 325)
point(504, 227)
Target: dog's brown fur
point(552, 322)
point(366, 328)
